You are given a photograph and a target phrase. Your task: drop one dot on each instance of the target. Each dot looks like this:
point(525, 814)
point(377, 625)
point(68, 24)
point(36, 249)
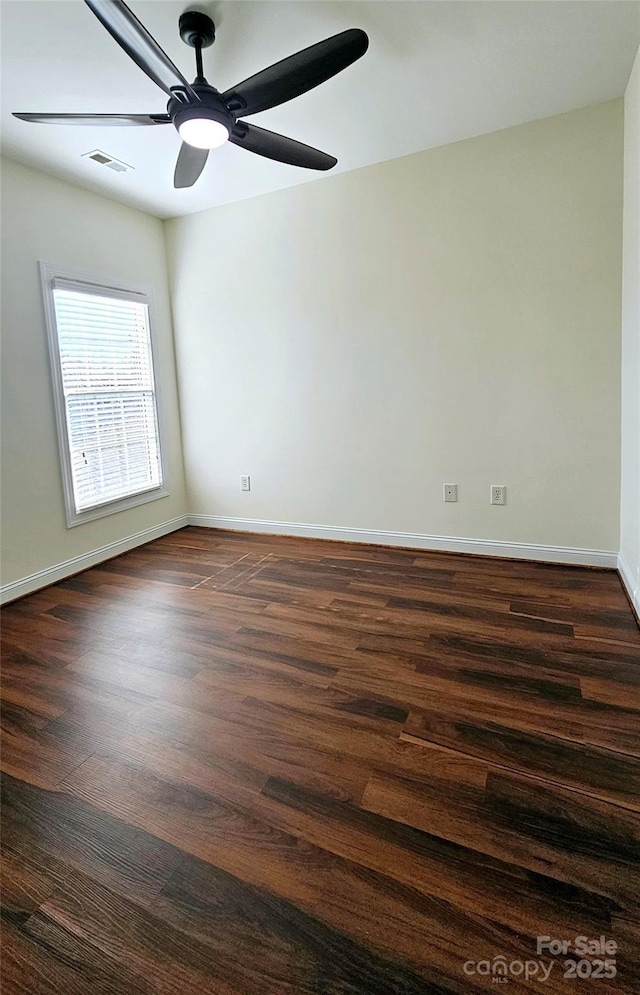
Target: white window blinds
point(106, 368)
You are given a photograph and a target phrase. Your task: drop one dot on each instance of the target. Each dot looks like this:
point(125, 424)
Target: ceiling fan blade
point(297, 74)
point(280, 148)
point(191, 162)
point(134, 38)
point(113, 120)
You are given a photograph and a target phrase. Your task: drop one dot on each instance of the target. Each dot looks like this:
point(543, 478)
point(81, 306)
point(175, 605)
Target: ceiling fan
point(204, 117)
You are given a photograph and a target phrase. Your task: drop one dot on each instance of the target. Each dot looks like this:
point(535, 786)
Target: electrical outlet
point(498, 494)
point(245, 482)
point(450, 492)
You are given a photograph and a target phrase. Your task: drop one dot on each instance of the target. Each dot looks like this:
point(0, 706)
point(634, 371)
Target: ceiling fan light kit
point(205, 118)
point(204, 127)
point(203, 132)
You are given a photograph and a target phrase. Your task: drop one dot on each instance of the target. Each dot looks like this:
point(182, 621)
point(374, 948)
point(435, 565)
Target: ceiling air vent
point(108, 160)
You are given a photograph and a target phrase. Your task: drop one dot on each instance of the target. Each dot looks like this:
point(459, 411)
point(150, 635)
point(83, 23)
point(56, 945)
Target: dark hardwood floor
point(243, 764)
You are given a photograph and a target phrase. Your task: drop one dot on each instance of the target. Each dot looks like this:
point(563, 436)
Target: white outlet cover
point(450, 492)
point(245, 482)
point(498, 494)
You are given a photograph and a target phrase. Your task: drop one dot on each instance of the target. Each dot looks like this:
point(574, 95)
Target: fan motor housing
point(211, 106)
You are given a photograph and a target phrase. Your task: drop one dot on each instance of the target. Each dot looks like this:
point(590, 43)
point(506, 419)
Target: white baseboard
point(17, 589)
point(632, 586)
point(450, 544)
point(412, 540)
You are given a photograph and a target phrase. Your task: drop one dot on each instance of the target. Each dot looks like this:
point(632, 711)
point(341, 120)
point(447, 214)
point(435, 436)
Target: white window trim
point(142, 292)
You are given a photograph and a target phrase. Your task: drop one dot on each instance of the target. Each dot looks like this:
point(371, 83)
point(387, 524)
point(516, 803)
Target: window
point(105, 393)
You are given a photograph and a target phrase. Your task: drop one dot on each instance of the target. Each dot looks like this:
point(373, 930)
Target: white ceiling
point(435, 72)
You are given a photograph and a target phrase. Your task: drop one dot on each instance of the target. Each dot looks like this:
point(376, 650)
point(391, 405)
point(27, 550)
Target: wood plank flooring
point(240, 764)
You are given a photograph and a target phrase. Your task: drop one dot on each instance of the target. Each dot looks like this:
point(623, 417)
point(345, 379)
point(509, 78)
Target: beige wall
point(46, 219)
point(450, 316)
point(630, 496)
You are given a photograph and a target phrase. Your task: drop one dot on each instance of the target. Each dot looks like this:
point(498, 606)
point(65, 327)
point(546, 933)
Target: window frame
point(95, 283)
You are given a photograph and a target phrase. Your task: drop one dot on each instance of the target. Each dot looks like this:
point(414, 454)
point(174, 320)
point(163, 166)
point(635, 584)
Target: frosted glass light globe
point(203, 133)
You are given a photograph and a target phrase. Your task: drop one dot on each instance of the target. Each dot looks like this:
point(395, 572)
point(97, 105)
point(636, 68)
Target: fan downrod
point(196, 29)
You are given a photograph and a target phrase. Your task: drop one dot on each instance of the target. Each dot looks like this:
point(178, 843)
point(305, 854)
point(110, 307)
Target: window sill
point(113, 507)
